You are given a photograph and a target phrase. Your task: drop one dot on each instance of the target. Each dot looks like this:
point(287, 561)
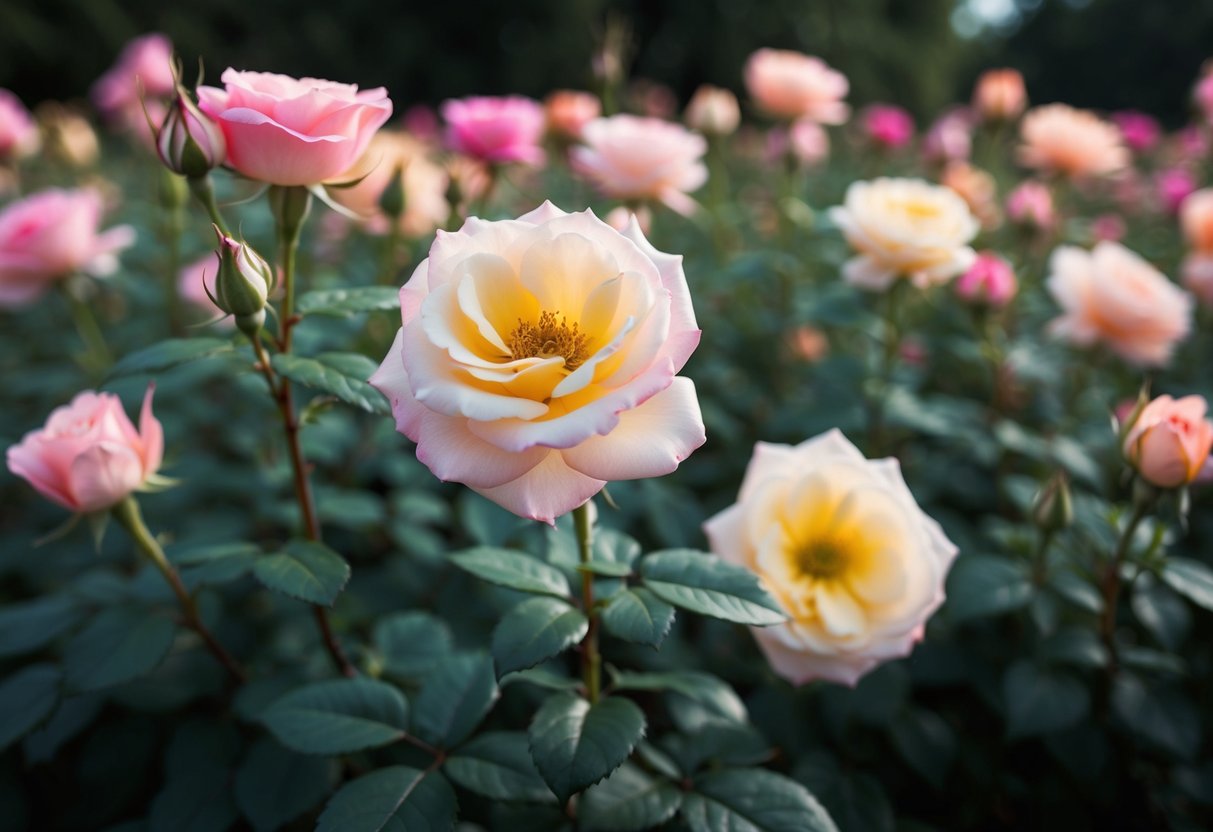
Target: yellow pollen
point(822, 559)
point(920, 210)
point(547, 338)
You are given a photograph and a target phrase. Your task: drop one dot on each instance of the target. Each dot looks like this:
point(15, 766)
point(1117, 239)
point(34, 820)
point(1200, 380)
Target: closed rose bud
point(888, 126)
point(1170, 441)
point(990, 281)
point(243, 283)
point(189, 142)
point(1053, 508)
point(713, 111)
point(567, 111)
point(1196, 219)
point(1000, 95)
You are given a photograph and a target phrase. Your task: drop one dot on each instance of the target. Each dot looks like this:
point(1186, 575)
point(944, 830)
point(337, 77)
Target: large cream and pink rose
point(842, 545)
point(89, 456)
point(288, 131)
point(1112, 296)
point(538, 360)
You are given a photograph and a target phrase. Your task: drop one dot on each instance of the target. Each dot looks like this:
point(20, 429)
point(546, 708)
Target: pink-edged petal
point(545, 212)
point(547, 491)
point(151, 434)
point(455, 454)
point(726, 536)
point(25, 461)
point(392, 380)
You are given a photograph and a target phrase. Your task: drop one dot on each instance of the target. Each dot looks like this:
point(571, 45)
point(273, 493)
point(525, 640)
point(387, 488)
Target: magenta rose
point(490, 129)
point(288, 131)
point(18, 132)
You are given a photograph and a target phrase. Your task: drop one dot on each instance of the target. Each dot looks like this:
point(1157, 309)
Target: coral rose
point(788, 84)
point(634, 158)
point(288, 131)
point(538, 360)
point(1170, 441)
point(89, 456)
point(392, 153)
point(18, 132)
point(1196, 219)
point(566, 112)
point(1060, 139)
point(491, 129)
point(1110, 295)
point(904, 227)
point(1000, 95)
point(49, 236)
point(839, 541)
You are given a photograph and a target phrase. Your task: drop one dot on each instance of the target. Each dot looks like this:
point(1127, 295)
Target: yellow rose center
point(822, 559)
point(920, 210)
point(550, 336)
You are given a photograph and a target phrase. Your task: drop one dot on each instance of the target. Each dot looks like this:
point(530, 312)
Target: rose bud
point(243, 283)
point(1169, 441)
point(1000, 95)
point(990, 281)
point(713, 111)
point(1052, 507)
point(189, 142)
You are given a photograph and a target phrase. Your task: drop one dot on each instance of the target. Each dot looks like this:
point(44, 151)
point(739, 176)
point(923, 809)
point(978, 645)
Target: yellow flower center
point(549, 337)
point(822, 559)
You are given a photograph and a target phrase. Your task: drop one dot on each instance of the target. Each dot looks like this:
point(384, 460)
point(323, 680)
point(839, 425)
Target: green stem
point(204, 191)
point(1111, 578)
point(98, 356)
point(591, 660)
point(174, 226)
point(890, 344)
point(128, 515)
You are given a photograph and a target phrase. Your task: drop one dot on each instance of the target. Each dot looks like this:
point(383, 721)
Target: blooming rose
point(950, 137)
point(1111, 295)
point(567, 111)
point(538, 360)
point(1076, 143)
point(1031, 204)
point(392, 153)
point(492, 129)
point(1139, 130)
point(288, 131)
point(50, 235)
point(89, 456)
point(1196, 219)
point(713, 111)
point(143, 72)
point(630, 157)
point(1000, 95)
point(888, 126)
point(841, 544)
point(904, 227)
point(1170, 441)
point(18, 132)
point(1174, 186)
point(990, 281)
point(791, 85)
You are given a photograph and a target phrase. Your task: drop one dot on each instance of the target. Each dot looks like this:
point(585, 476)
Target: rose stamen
point(549, 337)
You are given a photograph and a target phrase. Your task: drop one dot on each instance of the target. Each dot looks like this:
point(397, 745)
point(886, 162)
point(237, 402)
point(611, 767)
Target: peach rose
point(392, 153)
point(538, 360)
point(788, 84)
point(1000, 95)
point(1077, 143)
point(51, 235)
point(1170, 441)
point(494, 129)
point(1112, 296)
point(904, 228)
point(288, 131)
point(713, 111)
point(1196, 219)
point(841, 544)
point(89, 456)
point(18, 132)
point(977, 188)
point(566, 112)
point(633, 158)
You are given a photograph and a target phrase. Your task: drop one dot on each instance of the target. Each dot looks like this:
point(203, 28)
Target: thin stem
point(891, 343)
point(174, 226)
point(591, 661)
point(204, 191)
point(128, 515)
point(98, 356)
point(1111, 579)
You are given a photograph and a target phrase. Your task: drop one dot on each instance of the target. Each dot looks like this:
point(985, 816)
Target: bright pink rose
point(1196, 219)
point(1174, 186)
point(791, 85)
point(568, 111)
point(293, 132)
point(990, 281)
point(632, 158)
point(1140, 131)
point(89, 456)
point(1031, 204)
point(538, 360)
point(51, 235)
point(888, 126)
point(1170, 441)
point(144, 70)
point(1196, 272)
point(840, 542)
point(490, 129)
point(1112, 296)
point(18, 132)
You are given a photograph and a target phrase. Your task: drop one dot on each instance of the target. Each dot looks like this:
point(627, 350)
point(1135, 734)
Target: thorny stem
point(591, 661)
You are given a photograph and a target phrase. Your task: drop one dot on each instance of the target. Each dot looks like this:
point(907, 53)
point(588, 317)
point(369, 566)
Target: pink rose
point(539, 358)
point(1170, 441)
point(1174, 186)
point(950, 138)
point(145, 64)
point(1140, 130)
point(1077, 143)
point(634, 158)
point(1000, 95)
point(1031, 204)
point(842, 545)
point(18, 132)
point(1110, 295)
point(713, 111)
point(89, 456)
point(888, 126)
point(566, 112)
point(1196, 219)
point(492, 129)
point(293, 132)
point(49, 236)
point(791, 85)
point(1196, 272)
point(990, 281)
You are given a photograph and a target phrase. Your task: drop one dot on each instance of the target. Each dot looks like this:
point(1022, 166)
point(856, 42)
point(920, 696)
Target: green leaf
point(708, 585)
point(926, 742)
point(168, 354)
point(338, 716)
point(753, 800)
point(274, 785)
point(215, 564)
point(200, 801)
point(342, 302)
point(628, 801)
point(28, 625)
point(306, 570)
point(535, 630)
point(711, 701)
point(118, 645)
point(1041, 701)
point(455, 696)
point(498, 765)
point(506, 567)
point(980, 586)
point(575, 744)
point(339, 374)
point(393, 799)
point(638, 615)
point(1191, 579)
point(412, 643)
point(1160, 714)
point(26, 698)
